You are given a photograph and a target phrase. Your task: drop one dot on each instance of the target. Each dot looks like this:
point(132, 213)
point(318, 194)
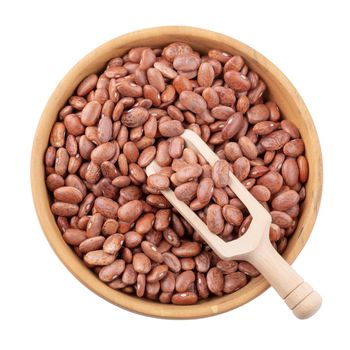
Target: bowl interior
point(280, 90)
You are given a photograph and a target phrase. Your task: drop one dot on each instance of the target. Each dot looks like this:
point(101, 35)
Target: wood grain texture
point(280, 90)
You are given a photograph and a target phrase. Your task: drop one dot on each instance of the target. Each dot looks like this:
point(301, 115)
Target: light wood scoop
point(254, 246)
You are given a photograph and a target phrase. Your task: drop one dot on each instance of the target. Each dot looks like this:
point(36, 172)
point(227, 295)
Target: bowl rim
point(142, 306)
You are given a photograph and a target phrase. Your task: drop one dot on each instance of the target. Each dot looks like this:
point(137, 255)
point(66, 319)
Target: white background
point(42, 305)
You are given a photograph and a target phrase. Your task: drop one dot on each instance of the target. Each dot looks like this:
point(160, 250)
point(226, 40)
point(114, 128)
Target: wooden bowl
point(279, 89)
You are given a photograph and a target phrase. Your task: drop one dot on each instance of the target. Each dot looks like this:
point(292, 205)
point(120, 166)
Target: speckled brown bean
point(105, 129)
point(193, 102)
point(156, 79)
point(222, 112)
point(215, 281)
point(103, 152)
point(202, 286)
point(50, 156)
point(191, 157)
point(57, 135)
point(275, 140)
point(186, 298)
point(237, 81)
point(151, 251)
point(220, 196)
point(233, 126)
point(129, 275)
point(171, 237)
point(113, 243)
point(129, 89)
point(274, 111)
point(261, 193)
point(144, 223)
point(132, 238)
point(189, 172)
point(158, 181)
point(232, 215)
point(85, 147)
point(172, 262)
point(61, 163)
point(171, 128)
point(206, 74)
point(141, 263)
point(241, 168)
point(187, 249)
point(146, 156)
point(303, 168)
point(98, 258)
point(184, 280)
point(294, 148)
point(283, 220)
point(90, 244)
point(205, 190)
point(91, 113)
point(265, 127)
point(227, 266)
point(234, 281)
point(130, 211)
point(135, 117)
point(107, 207)
point(220, 173)
point(211, 97)
point(272, 180)
point(248, 148)
point(163, 245)
point(181, 83)
point(110, 272)
point(186, 192)
point(74, 236)
point(64, 209)
point(186, 62)
point(68, 194)
point(92, 173)
point(275, 233)
point(94, 225)
point(290, 128)
point(122, 136)
point(290, 171)
point(165, 70)
point(86, 205)
point(187, 264)
point(157, 201)
point(162, 219)
point(258, 113)
point(162, 155)
point(176, 147)
point(215, 220)
point(285, 200)
point(165, 298)
point(157, 273)
point(167, 283)
point(117, 284)
point(202, 262)
point(110, 227)
point(131, 151)
point(232, 151)
point(121, 181)
point(137, 174)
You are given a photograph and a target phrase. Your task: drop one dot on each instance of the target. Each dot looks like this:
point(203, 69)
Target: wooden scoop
point(254, 246)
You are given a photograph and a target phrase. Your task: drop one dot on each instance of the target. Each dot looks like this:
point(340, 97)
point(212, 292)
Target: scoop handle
point(297, 294)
